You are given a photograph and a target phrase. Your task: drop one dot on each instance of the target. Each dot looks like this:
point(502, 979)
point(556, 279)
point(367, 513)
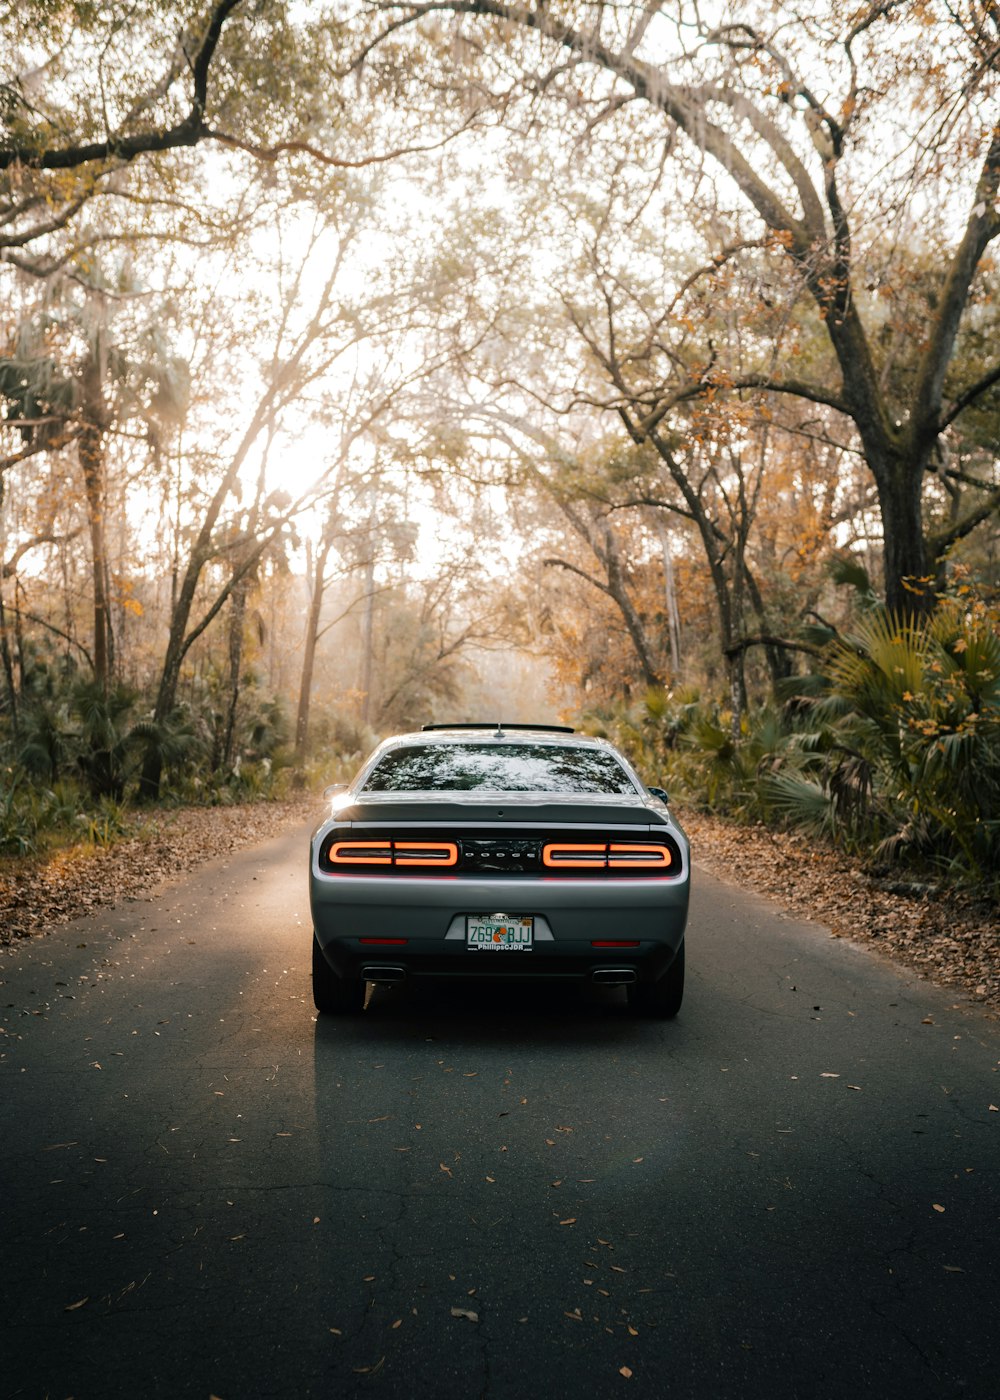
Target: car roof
point(548, 735)
point(500, 726)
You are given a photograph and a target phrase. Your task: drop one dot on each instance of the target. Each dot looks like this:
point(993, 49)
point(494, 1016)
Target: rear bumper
point(574, 961)
point(430, 913)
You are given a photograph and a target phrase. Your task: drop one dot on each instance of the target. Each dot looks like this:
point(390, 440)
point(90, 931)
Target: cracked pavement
point(486, 1192)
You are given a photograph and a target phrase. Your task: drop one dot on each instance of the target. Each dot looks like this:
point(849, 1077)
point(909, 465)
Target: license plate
point(499, 933)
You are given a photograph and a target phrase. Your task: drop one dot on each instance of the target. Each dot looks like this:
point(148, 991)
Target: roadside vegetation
point(888, 748)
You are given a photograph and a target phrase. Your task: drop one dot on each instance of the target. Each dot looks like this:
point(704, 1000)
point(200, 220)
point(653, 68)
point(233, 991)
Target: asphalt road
point(790, 1191)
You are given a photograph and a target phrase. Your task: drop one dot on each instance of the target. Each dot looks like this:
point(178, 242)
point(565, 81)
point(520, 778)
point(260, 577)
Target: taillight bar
point(425, 852)
point(574, 853)
point(421, 853)
point(614, 855)
point(656, 857)
point(360, 853)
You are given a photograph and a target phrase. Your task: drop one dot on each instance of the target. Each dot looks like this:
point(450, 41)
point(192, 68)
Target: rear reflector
point(614, 942)
point(394, 941)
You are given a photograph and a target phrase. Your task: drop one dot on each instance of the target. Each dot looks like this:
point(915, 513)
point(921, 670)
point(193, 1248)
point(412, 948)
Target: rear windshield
point(499, 768)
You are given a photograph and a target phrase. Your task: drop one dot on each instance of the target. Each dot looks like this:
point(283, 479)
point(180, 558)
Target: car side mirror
point(659, 792)
point(333, 788)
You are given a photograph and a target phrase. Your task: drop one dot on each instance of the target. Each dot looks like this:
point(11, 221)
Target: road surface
point(790, 1191)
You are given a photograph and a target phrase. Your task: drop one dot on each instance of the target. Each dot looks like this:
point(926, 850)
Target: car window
point(499, 768)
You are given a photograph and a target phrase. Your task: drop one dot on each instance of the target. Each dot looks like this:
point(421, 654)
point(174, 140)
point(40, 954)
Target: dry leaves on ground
point(38, 891)
point(947, 936)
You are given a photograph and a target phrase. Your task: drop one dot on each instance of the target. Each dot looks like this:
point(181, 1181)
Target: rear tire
point(333, 994)
point(662, 998)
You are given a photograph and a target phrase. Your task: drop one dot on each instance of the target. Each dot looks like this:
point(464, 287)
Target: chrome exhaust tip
point(614, 976)
point(383, 973)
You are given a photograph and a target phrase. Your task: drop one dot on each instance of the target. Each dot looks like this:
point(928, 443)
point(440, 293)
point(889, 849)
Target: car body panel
point(352, 909)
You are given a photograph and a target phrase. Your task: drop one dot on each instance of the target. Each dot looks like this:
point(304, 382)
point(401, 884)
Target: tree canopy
point(356, 354)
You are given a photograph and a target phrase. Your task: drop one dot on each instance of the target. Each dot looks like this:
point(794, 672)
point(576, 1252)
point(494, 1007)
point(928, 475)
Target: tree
point(789, 109)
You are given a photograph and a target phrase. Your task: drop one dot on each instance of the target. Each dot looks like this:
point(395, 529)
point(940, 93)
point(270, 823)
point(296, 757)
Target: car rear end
point(496, 856)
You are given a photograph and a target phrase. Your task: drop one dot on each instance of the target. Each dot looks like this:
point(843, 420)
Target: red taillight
point(361, 853)
point(579, 854)
point(615, 855)
point(633, 856)
point(439, 854)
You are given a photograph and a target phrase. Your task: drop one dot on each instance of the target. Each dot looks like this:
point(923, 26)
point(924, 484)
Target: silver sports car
point(525, 851)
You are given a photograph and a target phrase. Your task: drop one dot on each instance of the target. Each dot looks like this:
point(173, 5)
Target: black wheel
point(335, 995)
point(661, 998)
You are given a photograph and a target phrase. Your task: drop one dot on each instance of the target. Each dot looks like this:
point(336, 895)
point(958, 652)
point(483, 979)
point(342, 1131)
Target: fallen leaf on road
point(397, 1323)
point(939, 1209)
point(574, 1315)
point(952, 1269)
point(617, 1268)
point(855, 1086)
point(444, 1168)
point(384, 1119)
point(625, 1371)
point(466, 1313)
point(636, 1160)
point(827, 1075)
point(570, 1221)
point(336, 1331)
point(633, 1331)
point(73, 1306)
point(927, 1021)
point(369, 1370)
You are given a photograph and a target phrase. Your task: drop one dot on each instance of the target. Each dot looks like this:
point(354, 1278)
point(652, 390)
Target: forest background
point(369, 364)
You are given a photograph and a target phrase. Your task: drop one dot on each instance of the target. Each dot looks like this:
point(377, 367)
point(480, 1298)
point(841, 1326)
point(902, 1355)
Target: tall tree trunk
point(367, 675)
point(618, 590)
point(670, 596)
point(91, 453)
point(5, 652)
point(905, 564)
point(237, 618)
point(8, 668)
point(317, 583)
